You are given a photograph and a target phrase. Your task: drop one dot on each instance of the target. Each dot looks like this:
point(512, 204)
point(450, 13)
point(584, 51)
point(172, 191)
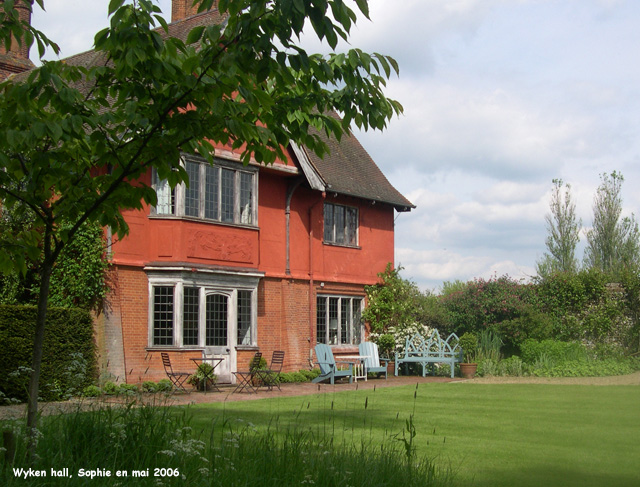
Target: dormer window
point(221, 192)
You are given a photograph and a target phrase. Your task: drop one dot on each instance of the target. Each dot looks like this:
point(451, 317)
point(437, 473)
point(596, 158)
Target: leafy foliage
point(484, 304)
point(78, 279)
point(563, 233)
point(392, 303)
point(613, 244)
point(69, 361)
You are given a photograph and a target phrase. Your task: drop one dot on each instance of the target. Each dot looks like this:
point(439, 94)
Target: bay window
point(222, 192)
point(192, 313)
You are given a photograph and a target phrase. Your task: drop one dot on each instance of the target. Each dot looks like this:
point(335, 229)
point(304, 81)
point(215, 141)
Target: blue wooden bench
point(330, 369)
point(429, 351)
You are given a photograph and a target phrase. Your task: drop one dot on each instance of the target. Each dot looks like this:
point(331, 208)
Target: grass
point(489, 435)
point(456, 434)
point(145, 445)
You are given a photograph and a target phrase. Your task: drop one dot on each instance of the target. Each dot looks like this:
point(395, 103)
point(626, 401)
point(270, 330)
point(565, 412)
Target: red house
point(248, 258)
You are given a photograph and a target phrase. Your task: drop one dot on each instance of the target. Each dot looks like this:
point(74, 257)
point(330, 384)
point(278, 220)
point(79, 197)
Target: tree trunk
point(38, 343)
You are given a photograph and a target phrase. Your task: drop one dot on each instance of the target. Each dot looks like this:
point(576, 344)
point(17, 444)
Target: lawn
point(489, 435)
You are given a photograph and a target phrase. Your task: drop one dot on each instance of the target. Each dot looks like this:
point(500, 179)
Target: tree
point(563, 233)
point(75, 140)
point(613, 244)
point(392, 302)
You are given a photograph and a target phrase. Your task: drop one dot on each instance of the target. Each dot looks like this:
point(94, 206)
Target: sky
point(500, 97)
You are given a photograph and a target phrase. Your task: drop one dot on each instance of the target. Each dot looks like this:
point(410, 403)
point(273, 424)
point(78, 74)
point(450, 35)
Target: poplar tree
point(613, 243)
point(563, 229)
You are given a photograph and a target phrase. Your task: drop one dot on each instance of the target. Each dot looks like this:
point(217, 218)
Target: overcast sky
point(500, 97)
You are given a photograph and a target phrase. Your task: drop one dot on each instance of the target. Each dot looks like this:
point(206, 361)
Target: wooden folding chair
point(271, 375)
point(177, 378)
point(244, 378)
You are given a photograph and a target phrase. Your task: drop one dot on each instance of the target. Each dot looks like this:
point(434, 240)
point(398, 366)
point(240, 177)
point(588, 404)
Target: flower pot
point(468, 370)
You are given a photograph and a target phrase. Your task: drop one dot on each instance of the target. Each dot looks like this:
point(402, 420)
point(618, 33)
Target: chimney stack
point(16, 59)
point(181, 9)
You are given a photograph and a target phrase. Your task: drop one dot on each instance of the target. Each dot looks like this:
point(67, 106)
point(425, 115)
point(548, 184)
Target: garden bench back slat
point(430, 351)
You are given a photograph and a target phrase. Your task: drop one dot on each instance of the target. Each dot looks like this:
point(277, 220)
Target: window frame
point(228, 286)
point(341, 231)
point(353, 337)
point(180, 200)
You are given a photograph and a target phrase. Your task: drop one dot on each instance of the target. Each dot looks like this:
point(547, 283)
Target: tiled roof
point(348, 169)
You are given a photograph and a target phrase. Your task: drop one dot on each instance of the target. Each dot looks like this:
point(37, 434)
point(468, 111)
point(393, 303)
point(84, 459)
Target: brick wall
point(181, 9)
point(286, 321)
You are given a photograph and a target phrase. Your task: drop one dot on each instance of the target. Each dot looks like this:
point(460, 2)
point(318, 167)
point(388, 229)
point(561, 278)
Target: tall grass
point(160, 443)
point(489, 346)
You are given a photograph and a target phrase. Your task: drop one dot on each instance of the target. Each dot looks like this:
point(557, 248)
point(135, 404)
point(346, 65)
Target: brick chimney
point(16, 59)
point(181, 9)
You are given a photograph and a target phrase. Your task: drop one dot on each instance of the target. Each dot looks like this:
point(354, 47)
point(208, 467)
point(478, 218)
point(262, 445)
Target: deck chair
point(177, 378)
point(329, 368)
point(244, 378)
point(270, 376)
point(372, 362)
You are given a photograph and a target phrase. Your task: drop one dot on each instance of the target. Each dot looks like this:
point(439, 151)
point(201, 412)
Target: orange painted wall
point(152, 239)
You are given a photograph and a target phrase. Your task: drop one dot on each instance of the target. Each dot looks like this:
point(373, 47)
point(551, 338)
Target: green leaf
point(115, 5)
point(195, 34)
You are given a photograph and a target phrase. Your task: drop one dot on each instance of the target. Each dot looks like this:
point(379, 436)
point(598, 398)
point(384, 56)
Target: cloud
point(429, 269)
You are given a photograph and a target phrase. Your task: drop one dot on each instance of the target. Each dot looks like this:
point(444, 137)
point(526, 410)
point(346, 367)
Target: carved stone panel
point(215, 246)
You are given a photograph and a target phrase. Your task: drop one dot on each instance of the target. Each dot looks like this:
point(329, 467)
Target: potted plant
point(204, 372)
point(386, 345)
point(469, 344)
point(256, 380)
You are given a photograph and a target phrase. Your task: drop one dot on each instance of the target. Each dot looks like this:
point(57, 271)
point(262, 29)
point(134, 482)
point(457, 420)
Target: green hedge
point(69, 362)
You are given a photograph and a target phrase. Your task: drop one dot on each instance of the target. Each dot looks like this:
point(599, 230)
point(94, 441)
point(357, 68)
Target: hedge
point(69, 361)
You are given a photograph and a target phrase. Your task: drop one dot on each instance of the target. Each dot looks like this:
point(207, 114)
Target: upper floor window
point(219, 192)
point(340, 224)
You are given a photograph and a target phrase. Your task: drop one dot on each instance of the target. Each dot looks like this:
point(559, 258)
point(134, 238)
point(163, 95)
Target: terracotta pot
point(468, 370)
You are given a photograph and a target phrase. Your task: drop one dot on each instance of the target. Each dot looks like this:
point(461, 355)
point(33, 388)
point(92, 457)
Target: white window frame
point(227, 285)
point(331, 235)
point(172, 202)
point(353, 338)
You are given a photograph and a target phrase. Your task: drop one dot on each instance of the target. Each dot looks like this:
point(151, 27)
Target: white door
point(218, 336)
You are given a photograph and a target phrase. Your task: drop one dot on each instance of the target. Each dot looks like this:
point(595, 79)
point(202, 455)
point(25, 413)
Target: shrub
point(595, 368)
point(69, 361)
point(310, 374)
point(386, 344)
point(290, 377)
point(552, 351)
point(483, 304)
point(128, 389)
point(512, 366)
point(110, 388)
point(92, 391)
point(469, 344)
point(530, 324)
point(164, 385)
point(395, 302)
point(149, 386)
